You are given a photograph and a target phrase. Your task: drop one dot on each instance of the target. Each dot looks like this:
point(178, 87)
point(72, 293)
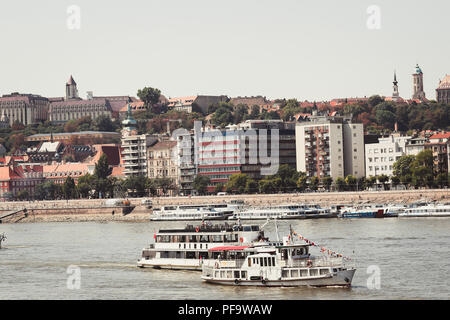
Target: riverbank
point(95, 209)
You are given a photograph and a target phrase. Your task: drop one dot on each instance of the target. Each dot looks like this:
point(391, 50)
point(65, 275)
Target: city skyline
point(290, 50)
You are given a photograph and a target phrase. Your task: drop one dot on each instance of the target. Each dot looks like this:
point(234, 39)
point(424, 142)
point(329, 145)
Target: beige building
point(330, 146)
point(162, 161)
point(24, 108)
point(443, 90)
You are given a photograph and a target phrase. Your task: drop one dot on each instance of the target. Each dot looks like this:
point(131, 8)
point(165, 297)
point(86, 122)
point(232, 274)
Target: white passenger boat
point(287, 265)
point(187, 248)
point(213, 211)
point(428, 210)
point(288, 211)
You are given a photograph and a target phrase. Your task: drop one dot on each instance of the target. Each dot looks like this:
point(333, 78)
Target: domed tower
point(71, 89)
point(129, 124)
point(418, 92)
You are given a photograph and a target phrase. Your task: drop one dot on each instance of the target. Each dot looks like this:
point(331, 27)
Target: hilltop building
point(418, 92)
point(443, 90)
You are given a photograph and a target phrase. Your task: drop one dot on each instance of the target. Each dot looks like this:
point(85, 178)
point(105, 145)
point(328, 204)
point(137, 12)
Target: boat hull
point(340, 279)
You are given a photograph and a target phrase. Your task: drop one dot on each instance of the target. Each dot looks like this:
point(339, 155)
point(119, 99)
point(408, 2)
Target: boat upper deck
point(212, 228)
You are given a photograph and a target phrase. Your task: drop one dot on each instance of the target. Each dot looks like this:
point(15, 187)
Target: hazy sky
point(315, 50)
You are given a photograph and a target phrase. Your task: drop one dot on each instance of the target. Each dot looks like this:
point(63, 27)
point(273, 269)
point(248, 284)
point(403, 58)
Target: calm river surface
point(412, 254)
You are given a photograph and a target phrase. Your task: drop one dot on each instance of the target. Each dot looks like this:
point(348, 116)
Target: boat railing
point(223, 264)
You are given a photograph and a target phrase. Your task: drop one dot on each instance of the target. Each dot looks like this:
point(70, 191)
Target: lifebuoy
point(241, 239)
point(263, 281)
point(236, 281)
point(197, 229)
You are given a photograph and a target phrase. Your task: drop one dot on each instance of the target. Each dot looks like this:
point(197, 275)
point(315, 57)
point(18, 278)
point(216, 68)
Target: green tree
point(23, 195)
point(314, 183)
point(383, 179)
point(237, 183)
point(340, 184)
point(350, 182)
point(84, 185)
point(149, 95)
point(251, 186)
point(302, 183)
point(327, 182)
point(69, 188)
point(201, 183)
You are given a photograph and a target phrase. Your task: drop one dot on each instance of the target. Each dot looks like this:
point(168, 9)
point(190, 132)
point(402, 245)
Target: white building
point(381, 156)
point(330, 146)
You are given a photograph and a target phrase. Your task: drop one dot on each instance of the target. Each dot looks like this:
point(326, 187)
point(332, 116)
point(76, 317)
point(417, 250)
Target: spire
point(395, 78)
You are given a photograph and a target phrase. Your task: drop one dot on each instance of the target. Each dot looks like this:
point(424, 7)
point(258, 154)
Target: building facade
point(443, 90)
point(24, 108)
point(330, 146)
point(381, 156)
point(162, 161)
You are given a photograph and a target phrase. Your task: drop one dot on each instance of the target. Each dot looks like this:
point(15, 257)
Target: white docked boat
point(287, 265)
point(213, 211)
point(288, 211)
point(187, 248)
point(427, 210)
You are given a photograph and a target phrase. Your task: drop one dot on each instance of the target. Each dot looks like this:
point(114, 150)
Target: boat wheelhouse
point(286, 265)
point(187, 248)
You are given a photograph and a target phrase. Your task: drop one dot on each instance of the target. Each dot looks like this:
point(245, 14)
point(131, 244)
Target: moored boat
point(187, 248)
point(287, 265)
point(427, 210)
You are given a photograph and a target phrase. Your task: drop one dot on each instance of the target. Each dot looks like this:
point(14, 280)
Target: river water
point(411, 254)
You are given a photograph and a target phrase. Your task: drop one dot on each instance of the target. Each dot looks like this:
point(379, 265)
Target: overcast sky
point(309, 50)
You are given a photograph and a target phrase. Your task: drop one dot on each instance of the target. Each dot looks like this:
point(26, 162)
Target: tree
point(237, 183)
point(135, 186)
point(149, 95)
point(340, 184)
point(84, 185)
point(442, 180)
point(395, 181)
point(219, 187)
point(302, 183)
point(23, 195)
point(251, 186)
point(102, 185)
point(164, 184)
point(200, 184)
point(327, 182)
point(370, 181)
point(350, 182)
point(403, 165)
point(69, 188)
point(383, 179)
point(314, 183)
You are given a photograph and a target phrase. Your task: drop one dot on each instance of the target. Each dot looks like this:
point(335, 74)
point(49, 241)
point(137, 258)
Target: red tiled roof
point(441, 135)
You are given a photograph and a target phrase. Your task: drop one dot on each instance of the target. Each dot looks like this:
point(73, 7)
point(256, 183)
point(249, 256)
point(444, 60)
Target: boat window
point(236, 274)
point(261, 262)
point(190, 255)
point(273, 261)
point(334, 270)
point(195, 246)
point(303, 272)
point(182, 238)
point(164, 254)
point(323, 271)
point(229, 274)
point(249, 262)
point(244, 274)
point(222, 274)
point(204, 238)
point(255, 228)
point(285, 273)
point(294, 273)
point(217, 238)
point(216, 274)
point(247, 228)
point(314, 272)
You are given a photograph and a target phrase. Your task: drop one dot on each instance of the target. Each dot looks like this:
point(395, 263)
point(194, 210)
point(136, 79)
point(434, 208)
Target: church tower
point(71, 89)
point(395, 94)
point(418, 92)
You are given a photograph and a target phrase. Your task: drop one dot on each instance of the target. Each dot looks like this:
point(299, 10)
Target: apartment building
point(381, 156)
point(330, 146)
